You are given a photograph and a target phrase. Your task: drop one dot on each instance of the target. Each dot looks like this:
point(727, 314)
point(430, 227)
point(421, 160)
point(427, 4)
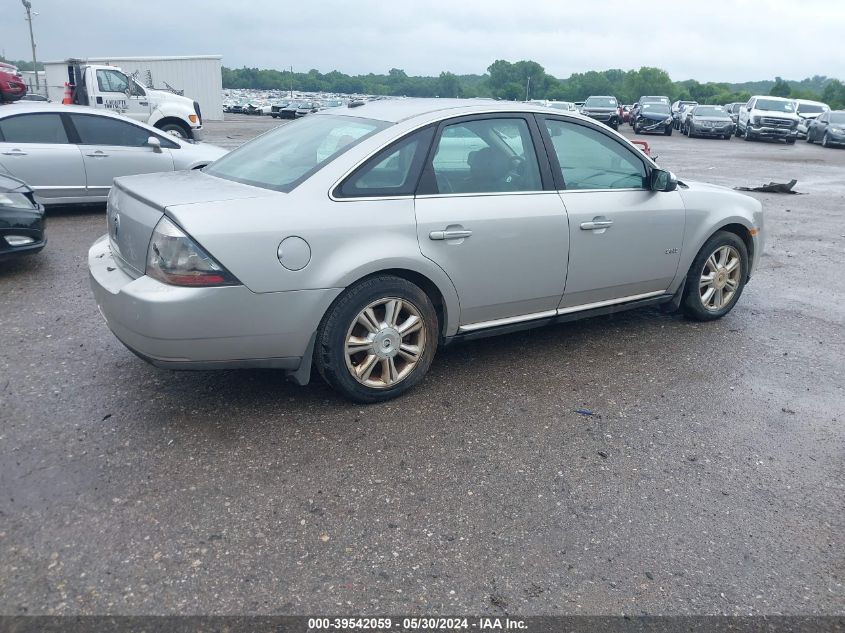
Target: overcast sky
point(708, 40)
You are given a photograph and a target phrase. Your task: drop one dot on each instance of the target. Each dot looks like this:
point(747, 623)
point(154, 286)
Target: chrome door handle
point(15, 152)
point(448, 235)
point(596, 224)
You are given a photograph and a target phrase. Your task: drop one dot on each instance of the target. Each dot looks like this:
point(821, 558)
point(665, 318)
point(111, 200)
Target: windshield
point(811, 108)
point(654, 100)
point(771, 105)
point(600, 102)
point(657, 108)
point(837, 117)
point(286, 156)
point(710, 111)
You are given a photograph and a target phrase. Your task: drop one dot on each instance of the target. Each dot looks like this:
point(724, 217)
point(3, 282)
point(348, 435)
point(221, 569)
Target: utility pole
point(291, 82)
point(528, 87)
point(28, 6)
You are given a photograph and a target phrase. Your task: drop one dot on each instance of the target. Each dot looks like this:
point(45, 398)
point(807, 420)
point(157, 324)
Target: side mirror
point(154, 143)
point(662, 180)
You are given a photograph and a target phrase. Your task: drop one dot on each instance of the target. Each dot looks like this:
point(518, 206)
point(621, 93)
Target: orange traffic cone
point(68, 98)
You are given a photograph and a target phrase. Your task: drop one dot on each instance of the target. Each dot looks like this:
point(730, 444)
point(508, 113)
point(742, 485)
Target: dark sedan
point(654, 117)
point(828, 129)
point(21, 219)
point(604, 109)
point(709, 120)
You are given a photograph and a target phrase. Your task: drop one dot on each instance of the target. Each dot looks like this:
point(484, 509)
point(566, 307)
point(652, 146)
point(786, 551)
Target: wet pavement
point(703, 474)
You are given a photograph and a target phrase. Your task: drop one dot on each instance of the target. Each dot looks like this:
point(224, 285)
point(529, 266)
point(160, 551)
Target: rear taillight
point(174, 258)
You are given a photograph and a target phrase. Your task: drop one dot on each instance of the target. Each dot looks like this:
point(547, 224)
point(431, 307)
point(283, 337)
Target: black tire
point(727, 137)
point(825, 140)
point(809, 137)
point(667, 131)
point(330, 348)
point(691, 304)
point(636, 128)
point(180, 128)
point(790, 141)
point(746, 135)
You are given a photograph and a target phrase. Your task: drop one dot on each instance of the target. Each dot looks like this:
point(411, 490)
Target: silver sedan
point(360, 240)
point(71, 154)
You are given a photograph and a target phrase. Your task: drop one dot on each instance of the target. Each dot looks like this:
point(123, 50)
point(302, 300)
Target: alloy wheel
point(720, 278)
point(385, 342)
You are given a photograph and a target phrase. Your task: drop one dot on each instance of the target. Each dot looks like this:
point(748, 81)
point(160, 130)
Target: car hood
point(723, 119)
point(600, 110)
point(655, 116)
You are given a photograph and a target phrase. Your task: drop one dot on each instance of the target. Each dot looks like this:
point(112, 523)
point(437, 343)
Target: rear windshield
point(288, 155)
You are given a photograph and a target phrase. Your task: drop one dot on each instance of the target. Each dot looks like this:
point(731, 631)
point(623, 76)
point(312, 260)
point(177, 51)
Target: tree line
point(528, 80)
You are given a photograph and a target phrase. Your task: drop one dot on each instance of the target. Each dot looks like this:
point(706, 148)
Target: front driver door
point(484, 217)
point(111, 148)
point(119, 93)
point(625, 239)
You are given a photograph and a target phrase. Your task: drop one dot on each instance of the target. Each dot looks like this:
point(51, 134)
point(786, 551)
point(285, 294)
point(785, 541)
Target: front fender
point(165, 110)
point(710, 208)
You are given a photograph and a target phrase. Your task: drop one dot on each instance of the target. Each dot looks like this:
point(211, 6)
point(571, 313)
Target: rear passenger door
point(35, 148)
point(111, 148)
point(488, 216)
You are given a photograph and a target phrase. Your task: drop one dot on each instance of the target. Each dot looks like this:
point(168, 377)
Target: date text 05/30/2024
point(416, 624)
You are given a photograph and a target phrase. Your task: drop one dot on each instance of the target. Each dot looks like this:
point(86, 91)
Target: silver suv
point(768, 117)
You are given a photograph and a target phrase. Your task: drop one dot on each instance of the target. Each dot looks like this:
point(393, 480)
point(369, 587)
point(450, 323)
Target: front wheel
point(177, 129)
point(667, 131)
point(825, 140)
point(377, 340)
point(716, 278)
point(746, 134)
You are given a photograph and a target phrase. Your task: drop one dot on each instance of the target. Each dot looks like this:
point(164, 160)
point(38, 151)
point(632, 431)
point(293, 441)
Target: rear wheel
point(377, 340)
point(716, 278)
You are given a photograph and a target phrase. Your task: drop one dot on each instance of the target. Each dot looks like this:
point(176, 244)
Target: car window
point(591, 160)
point(102, 130)
point(111, 81)
point(34, 128)
point(286, 156)
point(486, 156)
point(392, 172)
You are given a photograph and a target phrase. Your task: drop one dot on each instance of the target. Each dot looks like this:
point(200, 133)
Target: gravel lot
point(711, 478)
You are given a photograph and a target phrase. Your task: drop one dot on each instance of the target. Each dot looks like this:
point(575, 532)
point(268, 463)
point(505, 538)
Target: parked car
point(733, 110)
point(289, 111)
point(70, 154)
point(677, 106)
point(768, 117)
point(350, 244)
point(624, 113)
point(654, 117)
point(709, 120)
point(635, 109)
point(807, 111)
point(22, 228)
point(308, 107)
point(602, 108)
point(12, 86)
point(683, 116)
point(828, 129)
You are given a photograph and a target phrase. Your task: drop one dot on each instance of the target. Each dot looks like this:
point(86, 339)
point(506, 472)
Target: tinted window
point(111, 81)
point(590, 160)
point(286, 156)
point(835, 117)
point(393, 171)
point(101, 130)
point(486, 156)
point(34, 128)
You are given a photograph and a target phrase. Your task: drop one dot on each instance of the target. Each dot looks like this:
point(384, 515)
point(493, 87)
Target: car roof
point(398, 110)
point(810, 102)
point(25, 107)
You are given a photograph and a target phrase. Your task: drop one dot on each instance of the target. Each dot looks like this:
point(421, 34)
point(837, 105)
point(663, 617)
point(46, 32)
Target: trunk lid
point(136, 204)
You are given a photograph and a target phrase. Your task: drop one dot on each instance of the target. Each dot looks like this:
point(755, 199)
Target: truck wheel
point(179, 129)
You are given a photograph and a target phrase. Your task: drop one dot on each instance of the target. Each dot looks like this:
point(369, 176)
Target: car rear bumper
point(204, 328)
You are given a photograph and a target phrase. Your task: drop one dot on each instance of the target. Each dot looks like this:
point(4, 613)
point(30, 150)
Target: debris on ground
point(602, 454)
point(773, 187)
point(586, 412)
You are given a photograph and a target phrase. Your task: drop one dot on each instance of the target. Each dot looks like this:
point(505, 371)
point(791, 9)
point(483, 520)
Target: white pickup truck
point(98, 86)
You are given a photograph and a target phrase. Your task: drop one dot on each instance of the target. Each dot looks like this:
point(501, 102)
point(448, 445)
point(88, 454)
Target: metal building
point(196, 76)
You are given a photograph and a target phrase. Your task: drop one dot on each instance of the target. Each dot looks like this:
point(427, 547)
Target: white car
point(808, 110)
point(71, 154)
